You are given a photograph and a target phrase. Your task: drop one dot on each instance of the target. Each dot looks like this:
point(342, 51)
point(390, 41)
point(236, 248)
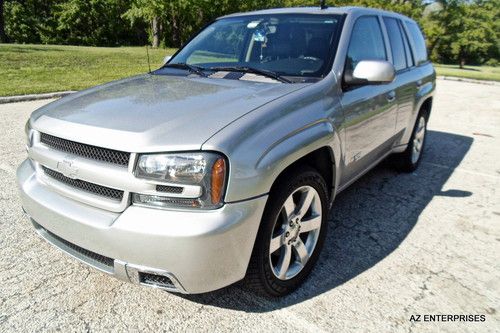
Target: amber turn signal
point(218, 179)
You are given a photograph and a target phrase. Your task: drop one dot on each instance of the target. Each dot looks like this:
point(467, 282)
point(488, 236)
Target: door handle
point(391, 96)
point(419, 83)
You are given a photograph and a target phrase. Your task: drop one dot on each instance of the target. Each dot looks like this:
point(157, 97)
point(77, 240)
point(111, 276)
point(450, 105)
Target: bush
point(492, 62)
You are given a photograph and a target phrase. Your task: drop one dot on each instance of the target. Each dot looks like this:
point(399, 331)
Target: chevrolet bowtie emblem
point(67, 167)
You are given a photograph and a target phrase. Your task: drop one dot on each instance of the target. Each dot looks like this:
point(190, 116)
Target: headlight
point(206, 170)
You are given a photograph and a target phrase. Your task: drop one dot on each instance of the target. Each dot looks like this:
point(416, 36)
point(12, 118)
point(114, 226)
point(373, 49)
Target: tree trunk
point(3, 36)
point(175, 31)
point(156, 32)
point(461, 58)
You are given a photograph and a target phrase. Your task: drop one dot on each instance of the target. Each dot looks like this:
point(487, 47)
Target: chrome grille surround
point(85, 186)
point(88, 151)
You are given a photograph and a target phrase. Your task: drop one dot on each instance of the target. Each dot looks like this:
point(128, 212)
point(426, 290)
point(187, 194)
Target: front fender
point(295, 146)
point(266, 141)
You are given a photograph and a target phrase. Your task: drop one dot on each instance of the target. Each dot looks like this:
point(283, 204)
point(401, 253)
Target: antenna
point(323, 4)
point(149, 64)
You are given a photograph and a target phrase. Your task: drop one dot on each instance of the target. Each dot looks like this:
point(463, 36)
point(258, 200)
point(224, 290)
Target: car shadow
point(368, 221)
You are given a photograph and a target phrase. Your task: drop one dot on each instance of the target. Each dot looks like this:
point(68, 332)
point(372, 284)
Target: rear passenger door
point(369, 110)
point(404, 84)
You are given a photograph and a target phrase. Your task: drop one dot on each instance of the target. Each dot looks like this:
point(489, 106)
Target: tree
point(91, 22)
point(21, 21)
point(3, 36)
point(151, 12)
point(173, 22)
point(463, 31)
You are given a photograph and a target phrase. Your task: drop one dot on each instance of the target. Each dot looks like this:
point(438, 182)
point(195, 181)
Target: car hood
point(154, 112)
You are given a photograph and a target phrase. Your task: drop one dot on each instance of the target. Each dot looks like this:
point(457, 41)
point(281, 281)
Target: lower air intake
point(156, 280)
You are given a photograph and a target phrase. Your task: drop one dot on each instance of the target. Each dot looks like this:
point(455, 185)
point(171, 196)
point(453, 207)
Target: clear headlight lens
point(207, 170)
point(186, 169)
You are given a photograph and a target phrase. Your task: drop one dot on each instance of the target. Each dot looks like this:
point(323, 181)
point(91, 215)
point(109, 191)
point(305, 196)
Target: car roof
point(318, 10)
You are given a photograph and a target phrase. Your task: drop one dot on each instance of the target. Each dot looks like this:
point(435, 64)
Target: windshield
point(296, 45)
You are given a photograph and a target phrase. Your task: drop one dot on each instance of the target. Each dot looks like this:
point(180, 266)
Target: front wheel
point(409, 160)
point(291, 235)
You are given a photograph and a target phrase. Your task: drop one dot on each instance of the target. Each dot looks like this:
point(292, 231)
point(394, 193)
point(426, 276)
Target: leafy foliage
point(94, 22)
point(78, 22)
point(464, 31)
point(460, 31)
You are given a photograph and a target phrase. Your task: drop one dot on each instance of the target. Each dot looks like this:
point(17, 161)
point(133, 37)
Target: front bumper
point(198, 251)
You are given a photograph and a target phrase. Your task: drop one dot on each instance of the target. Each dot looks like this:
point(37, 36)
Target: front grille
point(87, 151)
point(86, 253)
point(155, 280)
point(85, 186)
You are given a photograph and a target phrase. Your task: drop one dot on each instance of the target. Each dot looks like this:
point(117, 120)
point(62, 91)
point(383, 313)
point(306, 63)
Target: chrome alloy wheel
point(418, 140)
point(295, 232)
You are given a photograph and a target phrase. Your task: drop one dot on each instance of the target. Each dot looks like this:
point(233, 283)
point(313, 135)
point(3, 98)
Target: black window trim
point(406, 42)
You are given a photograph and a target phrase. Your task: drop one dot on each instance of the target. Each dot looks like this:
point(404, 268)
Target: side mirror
point(166, 59)
point(371, 72)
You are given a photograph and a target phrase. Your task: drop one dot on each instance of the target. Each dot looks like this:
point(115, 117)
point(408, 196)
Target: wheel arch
point(424, 103)
point(322, 160)
point(426, 107)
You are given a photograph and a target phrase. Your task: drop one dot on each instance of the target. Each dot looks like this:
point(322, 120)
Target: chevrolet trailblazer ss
point(222, 165)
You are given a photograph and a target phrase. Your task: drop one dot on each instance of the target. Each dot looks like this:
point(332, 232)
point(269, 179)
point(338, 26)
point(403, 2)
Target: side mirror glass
point(371, 72)
point(166, 59)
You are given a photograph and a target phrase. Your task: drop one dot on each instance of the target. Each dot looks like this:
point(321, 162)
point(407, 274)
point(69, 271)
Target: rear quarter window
point(396, 42)
point(418, 42)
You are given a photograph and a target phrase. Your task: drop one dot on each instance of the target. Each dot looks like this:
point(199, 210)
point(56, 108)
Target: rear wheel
point(409, 160)
point(291, 235)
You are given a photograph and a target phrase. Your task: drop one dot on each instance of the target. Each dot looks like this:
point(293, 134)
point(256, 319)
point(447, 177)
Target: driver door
point(370, 110)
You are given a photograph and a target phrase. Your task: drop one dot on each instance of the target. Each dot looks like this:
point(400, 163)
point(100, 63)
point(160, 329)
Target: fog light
point(164, 202)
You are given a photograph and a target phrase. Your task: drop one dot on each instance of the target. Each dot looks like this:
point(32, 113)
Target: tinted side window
point(418, 41)
point(366, 42)
point(396, 41)
point(409, 54)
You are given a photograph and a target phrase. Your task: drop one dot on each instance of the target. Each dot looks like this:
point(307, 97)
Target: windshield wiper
point(246, 69)
point(192, 68)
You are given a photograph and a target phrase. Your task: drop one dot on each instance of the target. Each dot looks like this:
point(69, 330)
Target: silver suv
point(223, 164)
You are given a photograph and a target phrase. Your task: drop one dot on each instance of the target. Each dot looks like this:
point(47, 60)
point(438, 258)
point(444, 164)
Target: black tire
point(405, 162)
point(260, 276)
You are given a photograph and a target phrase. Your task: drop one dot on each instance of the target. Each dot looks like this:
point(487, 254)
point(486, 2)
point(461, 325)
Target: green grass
point(29, 69)
point(470, 72)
